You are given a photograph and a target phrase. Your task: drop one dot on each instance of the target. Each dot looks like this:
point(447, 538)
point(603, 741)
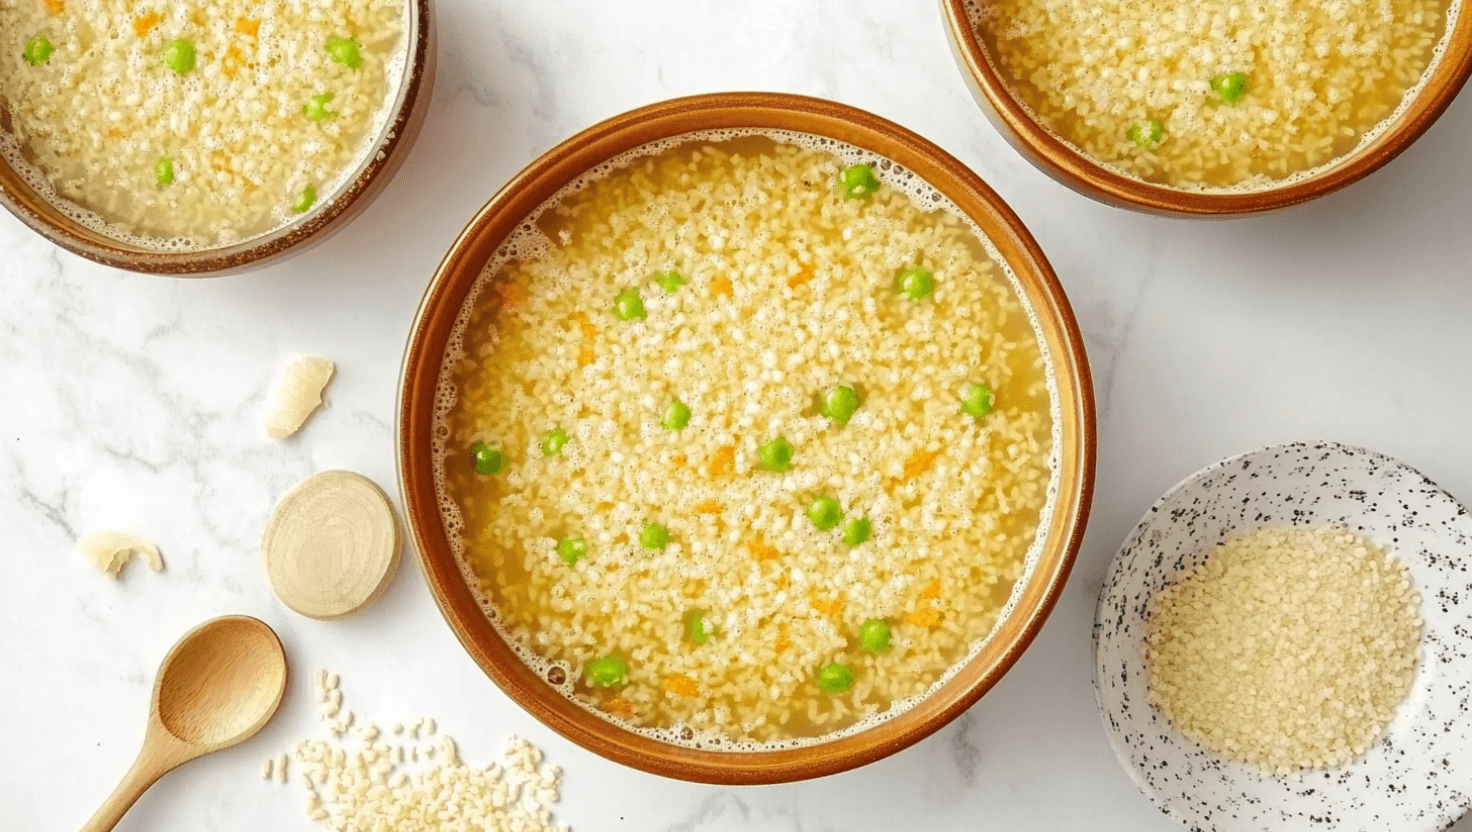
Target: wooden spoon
point(215, 689)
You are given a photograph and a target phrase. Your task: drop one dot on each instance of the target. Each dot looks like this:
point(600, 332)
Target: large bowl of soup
point(1214, 108)
point(206, 138)
point(746, 438)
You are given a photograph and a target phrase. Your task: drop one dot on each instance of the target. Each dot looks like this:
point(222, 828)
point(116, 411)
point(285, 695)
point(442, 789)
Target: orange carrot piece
point(603, 508)
point(585, 324)
point(722, 286)
point(723, 461)
point(931, 590)
point(622, 708)
point(782, 581)
point(232, 62)
point(783, 642)
point(927, 617)
point(708, 507)
point(142, 24)
point(918, 463)
point(247, 26)
point(682, 685)
point(803, 276)
point(679, 461)
point(511, 294)
point(55, 6)
point(585, 358)
point(833, 607)
point(761, 551)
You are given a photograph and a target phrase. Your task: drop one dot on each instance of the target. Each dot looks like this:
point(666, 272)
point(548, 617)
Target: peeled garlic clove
point(110, 551)
point(296, 393)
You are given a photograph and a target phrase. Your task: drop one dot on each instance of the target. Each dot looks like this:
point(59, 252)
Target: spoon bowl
point(216, 688)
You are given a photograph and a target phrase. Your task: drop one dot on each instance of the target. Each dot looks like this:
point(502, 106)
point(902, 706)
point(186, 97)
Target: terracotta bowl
point(1033, 598)
point(333, 212)
point(1083, 174)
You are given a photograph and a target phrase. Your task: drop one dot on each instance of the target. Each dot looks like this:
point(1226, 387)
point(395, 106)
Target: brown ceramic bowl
point(507, 209)
point(1087, 176)
point(333, 212)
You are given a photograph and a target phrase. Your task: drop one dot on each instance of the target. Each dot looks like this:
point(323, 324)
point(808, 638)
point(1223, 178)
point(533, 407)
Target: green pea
point(836, 678)
point(916, 283)
point(163, 171)
point(670, 281)
point(304, 202)
point(825, 513)
point(874, 635)
point(676, 416)
point(977, 400)
point(776, 455)
point(1231, 87)
point(654, 536)
point(316, 107)
point(1146, 133)
point(628, 305)
point(486, 460)
point(572, 549)
point(344, 51)
point(697, 629)
point(178, 55)
point(606, 672)
point(840, 403)
point(552, 442)
point(857, 182)
point(38, 50)
point(856, 530)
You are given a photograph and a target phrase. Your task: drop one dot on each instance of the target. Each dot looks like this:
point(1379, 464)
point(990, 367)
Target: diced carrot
point(721, 286)
point(801, 277)
point(586, 325)
point(931, 590)
point(603, 508)
point(113, 133)
point(622, 708)
point(512, 294)
point(141, 25)
point(833, 607)
point(782, 581)
point(585, 358)
point(783, 642)
point(723, 461)
point(918, 463)
point(232, 62)
point(682, 685)
point(708, 507)
point(761, 551)
point(679, 461)
point(247, 26)
point(927, 617)
point(55, 6)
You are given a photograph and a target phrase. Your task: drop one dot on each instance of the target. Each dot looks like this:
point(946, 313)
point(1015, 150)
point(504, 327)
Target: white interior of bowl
point(1418, 776)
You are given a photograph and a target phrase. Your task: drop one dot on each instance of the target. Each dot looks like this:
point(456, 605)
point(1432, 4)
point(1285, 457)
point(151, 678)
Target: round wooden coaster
point(332, 545)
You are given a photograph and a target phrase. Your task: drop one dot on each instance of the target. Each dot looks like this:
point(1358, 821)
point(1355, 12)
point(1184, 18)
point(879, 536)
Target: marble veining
point(134, 402)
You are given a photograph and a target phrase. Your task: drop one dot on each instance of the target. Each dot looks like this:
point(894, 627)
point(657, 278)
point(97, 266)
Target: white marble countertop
point(133, 401)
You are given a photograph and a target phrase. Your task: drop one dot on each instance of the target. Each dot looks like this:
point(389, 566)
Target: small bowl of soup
point(746, 438)
point(206, 138)
point(1219, 108)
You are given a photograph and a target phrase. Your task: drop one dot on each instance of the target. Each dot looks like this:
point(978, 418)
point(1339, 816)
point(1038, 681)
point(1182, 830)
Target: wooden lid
point(332, 545)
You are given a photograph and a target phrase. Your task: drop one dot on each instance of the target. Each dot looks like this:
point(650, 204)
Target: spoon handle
point(146, 770)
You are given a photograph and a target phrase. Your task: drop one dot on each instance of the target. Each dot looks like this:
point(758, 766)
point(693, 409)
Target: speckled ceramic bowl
point(331, 214)
point(1418, 776)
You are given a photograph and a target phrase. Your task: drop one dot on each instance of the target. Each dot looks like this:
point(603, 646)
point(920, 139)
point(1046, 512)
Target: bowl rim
point(1072, 168)
point(1153, 515)
point(375, 169)
point(508, 208)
